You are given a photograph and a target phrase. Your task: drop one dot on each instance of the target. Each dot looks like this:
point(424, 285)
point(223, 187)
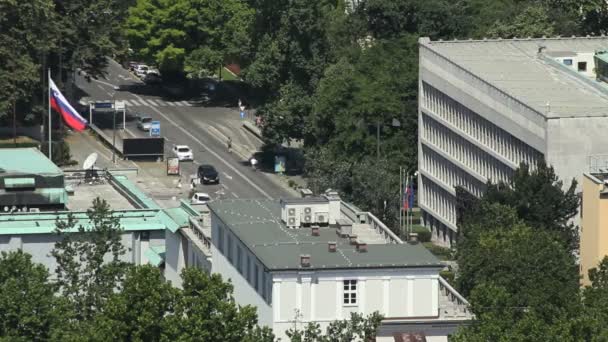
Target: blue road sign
point(101, 105)
point(155, 129)
point(242, 114)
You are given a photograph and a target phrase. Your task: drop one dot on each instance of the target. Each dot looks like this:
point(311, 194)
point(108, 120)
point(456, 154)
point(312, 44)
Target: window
point(220, 240)
point(256, 278)
point(350, 292)
point(239, 262)
point(567, 61)
point(229, 249)
point(248, 265)
point(582, 66)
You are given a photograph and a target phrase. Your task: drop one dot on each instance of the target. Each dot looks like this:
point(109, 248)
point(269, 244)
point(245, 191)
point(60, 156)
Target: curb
point(253, 130)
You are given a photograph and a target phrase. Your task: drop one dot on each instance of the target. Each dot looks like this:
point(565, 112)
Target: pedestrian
point(254, 163)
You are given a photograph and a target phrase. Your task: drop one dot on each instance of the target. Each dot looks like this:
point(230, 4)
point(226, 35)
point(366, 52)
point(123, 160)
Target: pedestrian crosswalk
point(155, 103)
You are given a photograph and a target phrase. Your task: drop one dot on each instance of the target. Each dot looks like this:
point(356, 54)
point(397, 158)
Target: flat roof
point(26, 160)
point(513, 66)
point(258, 225)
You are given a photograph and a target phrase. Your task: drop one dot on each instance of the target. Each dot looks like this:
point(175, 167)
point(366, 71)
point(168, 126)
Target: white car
point(183, 152)
point(200, 198)
point(141, 70)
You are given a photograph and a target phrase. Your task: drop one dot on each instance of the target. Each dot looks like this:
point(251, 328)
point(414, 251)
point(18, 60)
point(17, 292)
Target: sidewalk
point(246, 142)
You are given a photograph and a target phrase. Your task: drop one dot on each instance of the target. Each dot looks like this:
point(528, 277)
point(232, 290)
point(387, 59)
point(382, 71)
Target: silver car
point(144, 123)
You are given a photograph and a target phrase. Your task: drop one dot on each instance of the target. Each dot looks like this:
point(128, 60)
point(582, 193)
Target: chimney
point(305, 193)
point(315, 230)
point(353, 239)
point(331, 246)
point(413, 238)
point(305, 260)
point(362, 247)
point(334, 205)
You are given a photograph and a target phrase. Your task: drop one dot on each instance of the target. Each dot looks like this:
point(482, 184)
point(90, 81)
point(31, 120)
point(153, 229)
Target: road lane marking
point(171, 103)
point(235, 195)
point(215, 154)
point(224, 186)
point(102, 82)
point(226, 175)
point(131, 133)
point(100, 87)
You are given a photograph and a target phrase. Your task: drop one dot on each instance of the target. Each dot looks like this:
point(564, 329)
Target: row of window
point(448, 173)
point(462, 150)
point(439, 200)
point(477, 127)
point(245, 264)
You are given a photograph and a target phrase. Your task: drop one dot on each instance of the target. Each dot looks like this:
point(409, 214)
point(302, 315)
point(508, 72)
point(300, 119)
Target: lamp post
point(394, 123)
point(113, 130)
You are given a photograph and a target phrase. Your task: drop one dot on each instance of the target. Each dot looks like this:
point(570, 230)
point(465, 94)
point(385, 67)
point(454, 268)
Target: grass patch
point(442, 253)
point(22, 141)
point(227, 75)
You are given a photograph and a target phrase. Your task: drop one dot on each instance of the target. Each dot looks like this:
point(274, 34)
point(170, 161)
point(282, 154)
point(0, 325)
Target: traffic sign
point(155, 129)
point(102, 105)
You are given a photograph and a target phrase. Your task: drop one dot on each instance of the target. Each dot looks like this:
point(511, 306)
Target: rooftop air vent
point(331, 246)
point(362, 247)
point(305, 260)
point(315, 231)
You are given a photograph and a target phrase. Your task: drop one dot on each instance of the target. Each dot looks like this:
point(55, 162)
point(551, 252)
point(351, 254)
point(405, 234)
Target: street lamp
point(113, 130)
point(394, 123)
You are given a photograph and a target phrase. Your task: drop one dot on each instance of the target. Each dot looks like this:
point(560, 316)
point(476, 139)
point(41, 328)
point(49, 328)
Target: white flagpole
point(49, 94)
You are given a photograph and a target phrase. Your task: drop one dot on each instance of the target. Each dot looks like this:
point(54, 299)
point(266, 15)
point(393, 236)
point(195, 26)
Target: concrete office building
point(319, 259)
point(487, 105)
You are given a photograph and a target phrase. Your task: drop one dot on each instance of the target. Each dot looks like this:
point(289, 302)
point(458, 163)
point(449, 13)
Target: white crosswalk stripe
point(172, 104)
point(153, 103)
point(184, 103)
point(136, 103)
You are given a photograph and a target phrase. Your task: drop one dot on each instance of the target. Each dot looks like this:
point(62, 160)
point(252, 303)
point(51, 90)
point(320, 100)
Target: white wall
point(174, 257)
point(318, 295)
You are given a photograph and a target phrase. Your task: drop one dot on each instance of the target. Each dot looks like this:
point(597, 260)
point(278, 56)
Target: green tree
point(539, 198)
point(206, 311)
point(357, 328)
point(534, 21)
point(139, 311)
point(28, 308)
point(189, 37)
point(88, 255)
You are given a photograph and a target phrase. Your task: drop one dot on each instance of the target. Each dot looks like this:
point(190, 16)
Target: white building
point(485, 106)
point(321, 271)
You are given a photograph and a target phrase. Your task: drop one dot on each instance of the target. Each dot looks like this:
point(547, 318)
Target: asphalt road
point(183, 123)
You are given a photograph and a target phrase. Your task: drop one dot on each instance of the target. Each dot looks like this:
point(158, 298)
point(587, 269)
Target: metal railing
point(356, 215)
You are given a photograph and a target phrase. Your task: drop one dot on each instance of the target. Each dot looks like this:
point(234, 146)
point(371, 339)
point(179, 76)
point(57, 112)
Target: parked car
point(152, 78)
point(200, 198)
point(144, 123)
point(183, 152)
point(141, 70)
point(208, 174)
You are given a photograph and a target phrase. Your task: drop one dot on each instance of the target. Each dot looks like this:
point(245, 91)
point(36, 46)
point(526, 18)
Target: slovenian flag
point(63, 107)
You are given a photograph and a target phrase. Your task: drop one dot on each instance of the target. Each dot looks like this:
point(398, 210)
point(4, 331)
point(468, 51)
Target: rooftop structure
point(487, 105)
point(257, 223)
point(317, 259)
point(29, 179)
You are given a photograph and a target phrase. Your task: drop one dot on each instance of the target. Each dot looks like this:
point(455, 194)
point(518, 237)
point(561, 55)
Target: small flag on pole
point(60, 104)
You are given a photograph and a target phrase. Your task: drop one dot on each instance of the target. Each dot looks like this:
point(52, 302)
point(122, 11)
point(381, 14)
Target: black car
point(208, 174)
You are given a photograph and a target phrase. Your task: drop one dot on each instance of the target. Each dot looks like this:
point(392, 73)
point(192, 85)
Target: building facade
point(594, 223)
point(321, 272)
point(487, 106)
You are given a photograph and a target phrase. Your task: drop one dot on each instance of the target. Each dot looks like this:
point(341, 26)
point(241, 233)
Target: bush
point(424, 235)
point(292, 184)
point(443, 253)
point(448, 276)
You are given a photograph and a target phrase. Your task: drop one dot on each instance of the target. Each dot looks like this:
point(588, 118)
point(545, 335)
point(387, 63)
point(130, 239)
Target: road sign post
point(155, 129)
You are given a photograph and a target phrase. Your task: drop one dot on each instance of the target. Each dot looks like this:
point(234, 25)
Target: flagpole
point(400, 205)
point(49, 98)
